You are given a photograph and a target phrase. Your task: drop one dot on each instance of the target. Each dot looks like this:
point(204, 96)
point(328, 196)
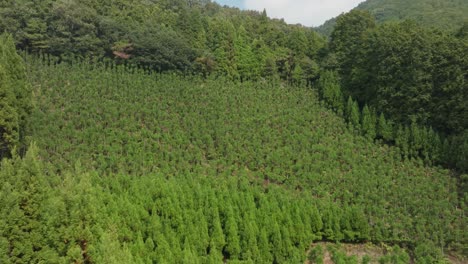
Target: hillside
point(121, 145)
point(189, 37)
point(443, 14)
point(180, 131)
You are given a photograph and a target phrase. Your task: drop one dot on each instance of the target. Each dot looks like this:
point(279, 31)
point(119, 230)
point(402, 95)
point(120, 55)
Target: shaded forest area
point(196, 36)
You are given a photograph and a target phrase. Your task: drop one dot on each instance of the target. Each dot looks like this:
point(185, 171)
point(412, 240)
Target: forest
point(447, 15)
point(180, 131)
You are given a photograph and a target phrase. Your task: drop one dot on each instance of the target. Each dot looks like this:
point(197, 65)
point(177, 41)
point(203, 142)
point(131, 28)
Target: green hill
point(443, 14)
point(140, 167)
point(183, 36)
point(179, 131)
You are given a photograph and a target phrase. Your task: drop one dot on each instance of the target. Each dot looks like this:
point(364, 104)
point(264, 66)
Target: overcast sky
point(306, 12)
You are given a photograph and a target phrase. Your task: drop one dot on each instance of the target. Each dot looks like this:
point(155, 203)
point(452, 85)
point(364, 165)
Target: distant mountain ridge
point(444, 14)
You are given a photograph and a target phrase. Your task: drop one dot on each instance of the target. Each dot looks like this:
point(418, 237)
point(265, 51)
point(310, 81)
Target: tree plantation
point(186, 132)
point(155, 168)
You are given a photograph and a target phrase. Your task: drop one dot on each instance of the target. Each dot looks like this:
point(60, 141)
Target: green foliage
point(329, 86)
point(399, 72)
point(161, 49)
point(232, 235)
point(143, 167)
point(190, 37)
point(457, 153)
point(427, 252)
point(347, 37)
point(368, 122)
point(298, 75)
point(134, 166)
point(340, 257)
point(412, 78)
point(395, 256)
point(445, 15)
point(384, 128)
point(316, 255)
point(72, 28)
point(15, 96)
point(248, 65)
point(366, 259)
point(353, 115)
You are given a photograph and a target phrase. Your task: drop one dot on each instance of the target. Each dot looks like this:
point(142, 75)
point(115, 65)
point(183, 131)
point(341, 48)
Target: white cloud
point(306, 12)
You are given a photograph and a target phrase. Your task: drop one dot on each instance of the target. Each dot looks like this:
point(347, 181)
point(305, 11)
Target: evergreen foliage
point(178, 131)
point(448, 15)
point(15, 96)
point(316, 255)
point(368, 122)
point(184, 36)
point(329, 86)
point(410, 75)
point(210, 169)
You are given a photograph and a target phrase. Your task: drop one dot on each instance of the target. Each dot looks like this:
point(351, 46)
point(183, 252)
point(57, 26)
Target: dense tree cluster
point(81, 217)
point(261, 134)
point(407, 73)
point(414, 77)
point(15, 98)
point(178, 131)
point(196, 36)
point(448, 15)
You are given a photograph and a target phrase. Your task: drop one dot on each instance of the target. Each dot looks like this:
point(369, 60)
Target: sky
point(306, 12)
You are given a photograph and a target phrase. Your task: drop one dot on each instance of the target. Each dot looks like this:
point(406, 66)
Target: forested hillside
point(406, 73)
point(447, 15)
point(158, 168)
point(180, 131)
point(15, 98)
point(193, 37)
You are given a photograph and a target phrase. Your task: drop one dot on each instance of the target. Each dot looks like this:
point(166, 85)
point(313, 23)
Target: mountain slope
point(189, 36)
point(444, 14)
point(127, 122)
